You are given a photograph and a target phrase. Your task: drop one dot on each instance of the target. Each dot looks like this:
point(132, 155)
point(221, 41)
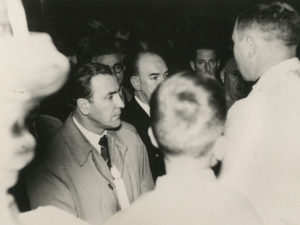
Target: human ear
point(192, 64)
point(84, 106)
point(135, 82)
point(152, 138)
point(251, 46)
point(222, 76)
point(218, 63)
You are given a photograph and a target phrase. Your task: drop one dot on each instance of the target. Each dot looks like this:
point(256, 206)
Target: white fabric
point(92, 137)
point(144, 106)
point(49, 215)
point(263, 152)
point(191, 199)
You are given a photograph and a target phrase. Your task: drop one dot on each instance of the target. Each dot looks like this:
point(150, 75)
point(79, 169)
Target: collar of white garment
point(275, 72)
point(90, 136)
point(144, 106)
point(184, 182)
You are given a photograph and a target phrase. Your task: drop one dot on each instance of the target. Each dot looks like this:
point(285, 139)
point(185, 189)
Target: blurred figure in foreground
point(32, 69)
point(188, 115)
point(262, 160)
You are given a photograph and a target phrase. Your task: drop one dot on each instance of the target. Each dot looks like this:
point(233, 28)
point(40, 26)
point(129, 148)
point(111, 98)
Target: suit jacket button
point(110, 186)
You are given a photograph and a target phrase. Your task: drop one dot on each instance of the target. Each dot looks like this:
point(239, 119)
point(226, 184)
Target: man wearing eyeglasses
point(111, 58)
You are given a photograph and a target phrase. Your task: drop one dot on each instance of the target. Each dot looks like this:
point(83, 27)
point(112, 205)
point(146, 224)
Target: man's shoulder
point(126, 127)
point(126, 131)
point(57, 146)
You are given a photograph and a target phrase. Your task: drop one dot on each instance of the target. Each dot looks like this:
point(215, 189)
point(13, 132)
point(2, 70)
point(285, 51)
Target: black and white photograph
point(150, 112)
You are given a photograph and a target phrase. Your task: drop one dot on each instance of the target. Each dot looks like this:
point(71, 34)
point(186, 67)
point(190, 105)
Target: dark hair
point(187, 113)
point(277, 20)
point(79, 85)
point(104, 50)
point(203, 45)
point(132, 66)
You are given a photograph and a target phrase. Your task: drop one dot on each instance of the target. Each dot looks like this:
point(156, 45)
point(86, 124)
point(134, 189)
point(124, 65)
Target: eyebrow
point(154, 74)
point(112, 93)
point(151, 74)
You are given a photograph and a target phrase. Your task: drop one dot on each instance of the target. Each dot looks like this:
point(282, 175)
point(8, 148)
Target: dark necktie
point(104, 150)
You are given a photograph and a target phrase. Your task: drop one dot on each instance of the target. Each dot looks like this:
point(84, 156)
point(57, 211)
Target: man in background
point(110, 57)
point(147, 70)
point(203, 59)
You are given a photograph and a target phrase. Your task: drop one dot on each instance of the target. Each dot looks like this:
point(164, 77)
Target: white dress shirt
point(144, 106)
point(90, 136)
point(263, 152)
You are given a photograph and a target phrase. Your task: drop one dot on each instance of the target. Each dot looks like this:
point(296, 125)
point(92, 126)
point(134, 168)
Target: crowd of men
point(137, 144)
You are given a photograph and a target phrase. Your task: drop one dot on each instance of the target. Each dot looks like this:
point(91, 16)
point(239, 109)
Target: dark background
point(65, 19)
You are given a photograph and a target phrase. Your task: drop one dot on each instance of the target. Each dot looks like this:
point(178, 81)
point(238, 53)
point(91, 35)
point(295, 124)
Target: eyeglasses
point(117, 68)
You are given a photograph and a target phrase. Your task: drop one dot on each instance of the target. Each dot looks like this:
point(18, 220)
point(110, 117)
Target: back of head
point(276, 21)
point(188, 114)
point(79, 85)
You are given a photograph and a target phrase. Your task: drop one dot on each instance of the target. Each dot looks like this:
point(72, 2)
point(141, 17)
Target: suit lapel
point(81, 148)
point(117, 150)
point(101, 166)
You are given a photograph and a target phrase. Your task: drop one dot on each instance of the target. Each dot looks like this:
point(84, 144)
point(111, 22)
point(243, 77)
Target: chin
point(116, 124)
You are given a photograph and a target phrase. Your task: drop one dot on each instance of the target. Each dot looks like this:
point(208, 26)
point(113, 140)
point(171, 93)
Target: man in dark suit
point(147, 70)
point(85, 158)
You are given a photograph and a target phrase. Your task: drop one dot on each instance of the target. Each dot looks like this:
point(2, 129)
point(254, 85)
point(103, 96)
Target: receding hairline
point(142, 55)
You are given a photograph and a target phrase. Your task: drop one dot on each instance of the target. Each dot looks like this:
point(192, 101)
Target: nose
point(119, 102)
point(207, 67)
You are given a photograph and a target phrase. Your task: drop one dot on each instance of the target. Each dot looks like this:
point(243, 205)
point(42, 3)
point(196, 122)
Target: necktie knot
point(103, 142)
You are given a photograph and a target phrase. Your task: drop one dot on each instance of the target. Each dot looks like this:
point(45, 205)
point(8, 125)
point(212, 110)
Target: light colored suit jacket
point(74, 177)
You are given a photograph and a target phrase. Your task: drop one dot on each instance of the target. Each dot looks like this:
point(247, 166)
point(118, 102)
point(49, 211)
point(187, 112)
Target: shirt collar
point(144, 106)
point(90, 136)
point(168, 182)
point(275, 72)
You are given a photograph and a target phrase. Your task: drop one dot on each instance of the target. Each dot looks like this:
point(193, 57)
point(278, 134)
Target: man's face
point(105, 103)
point(113, 61)
point(240, 54)
point(152, 71)
point(233, 82)
point(206, 63)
